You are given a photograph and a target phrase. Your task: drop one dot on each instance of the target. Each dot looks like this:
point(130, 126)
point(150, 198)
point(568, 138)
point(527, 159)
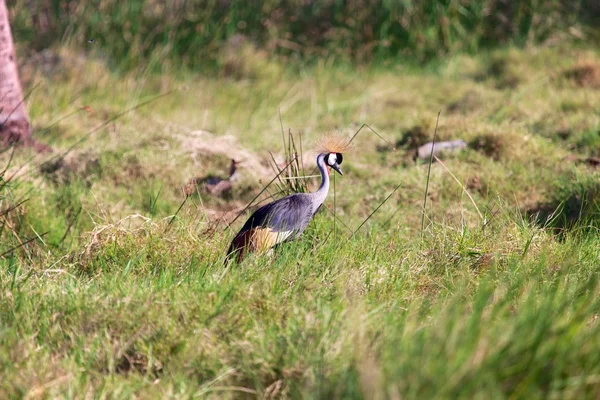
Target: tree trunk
point(14, 121)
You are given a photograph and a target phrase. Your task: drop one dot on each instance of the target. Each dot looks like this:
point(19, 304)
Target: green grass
point(115, 302)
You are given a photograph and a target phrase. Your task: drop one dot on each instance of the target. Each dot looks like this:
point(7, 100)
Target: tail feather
point(240, 246)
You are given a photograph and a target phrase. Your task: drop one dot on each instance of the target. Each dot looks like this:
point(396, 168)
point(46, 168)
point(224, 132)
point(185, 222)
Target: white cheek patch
point(331, 159)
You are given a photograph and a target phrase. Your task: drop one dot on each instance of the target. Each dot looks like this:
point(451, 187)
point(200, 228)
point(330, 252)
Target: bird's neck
point(232, 169)
point(233, 172)
point(321, 194)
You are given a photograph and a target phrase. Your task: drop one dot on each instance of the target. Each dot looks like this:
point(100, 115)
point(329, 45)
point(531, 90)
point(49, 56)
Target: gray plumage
point(291, 213)
point(284, 219)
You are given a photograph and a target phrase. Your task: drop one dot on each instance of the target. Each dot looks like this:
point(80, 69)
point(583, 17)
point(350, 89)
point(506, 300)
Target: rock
point(424, 151)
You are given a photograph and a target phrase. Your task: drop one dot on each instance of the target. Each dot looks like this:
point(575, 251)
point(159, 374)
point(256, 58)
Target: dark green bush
point(194, 32)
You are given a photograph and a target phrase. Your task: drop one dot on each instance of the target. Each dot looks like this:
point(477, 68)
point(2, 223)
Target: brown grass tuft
point(415, 137)
point(491, 144)
point(585, 74)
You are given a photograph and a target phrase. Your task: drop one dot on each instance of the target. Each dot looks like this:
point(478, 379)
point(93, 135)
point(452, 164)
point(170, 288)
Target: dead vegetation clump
point(585, 74)
point(492, 145)
point(574, 202)
point(202, 145)
point(414, 137)
point(132, 167)
point(83, 165)
point(148, 245)
point(133, 361)
point(410, 141)
point(564, 133)
point(215, 185)
point(123, 169)
point(226, 192)
point(130, 238)
point(593, 162)
point(478, 184)
point(110, 233)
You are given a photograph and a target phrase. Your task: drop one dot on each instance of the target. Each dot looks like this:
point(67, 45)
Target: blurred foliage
point(194, 32)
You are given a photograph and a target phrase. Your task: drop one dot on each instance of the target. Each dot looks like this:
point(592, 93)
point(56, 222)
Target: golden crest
point(334, 142)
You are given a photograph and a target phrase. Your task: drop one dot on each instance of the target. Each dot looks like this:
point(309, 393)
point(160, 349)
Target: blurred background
point(150, 100)
point(195, 34)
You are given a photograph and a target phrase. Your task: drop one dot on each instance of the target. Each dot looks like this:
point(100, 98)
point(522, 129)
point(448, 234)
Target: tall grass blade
point(261, 192)
point(23, 244)
point(375, 132)
point(375, 210)
point(428, 176)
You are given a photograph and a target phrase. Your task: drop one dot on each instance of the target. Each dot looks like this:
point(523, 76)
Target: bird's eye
point(339, 158)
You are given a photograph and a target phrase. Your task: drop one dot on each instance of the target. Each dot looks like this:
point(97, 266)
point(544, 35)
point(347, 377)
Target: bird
point(215, 185)
point(287, 218)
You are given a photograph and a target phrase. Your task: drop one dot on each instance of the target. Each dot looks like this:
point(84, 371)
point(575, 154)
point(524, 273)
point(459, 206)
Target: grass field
point(497, 297)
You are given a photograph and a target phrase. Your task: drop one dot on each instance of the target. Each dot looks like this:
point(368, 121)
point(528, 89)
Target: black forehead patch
point(339, 157)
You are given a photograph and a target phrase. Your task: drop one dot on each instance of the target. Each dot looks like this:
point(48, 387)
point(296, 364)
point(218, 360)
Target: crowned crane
point(285, 219)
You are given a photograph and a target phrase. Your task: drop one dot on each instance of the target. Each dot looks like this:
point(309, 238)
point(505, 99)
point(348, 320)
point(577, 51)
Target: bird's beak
point(337, 169)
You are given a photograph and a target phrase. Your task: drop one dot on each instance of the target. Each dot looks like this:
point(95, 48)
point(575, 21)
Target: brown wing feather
point(255, 240)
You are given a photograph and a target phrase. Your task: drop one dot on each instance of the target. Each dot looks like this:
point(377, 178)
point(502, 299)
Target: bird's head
point(234, 165)
point(331, 146)
point(334, 160)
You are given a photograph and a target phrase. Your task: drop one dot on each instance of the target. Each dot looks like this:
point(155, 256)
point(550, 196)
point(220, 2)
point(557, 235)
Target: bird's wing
point(273, 223)
point(288, 213)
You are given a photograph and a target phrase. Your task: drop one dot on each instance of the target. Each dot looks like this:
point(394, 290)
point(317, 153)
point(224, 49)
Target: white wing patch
point(265, 238)
point(283, 236)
